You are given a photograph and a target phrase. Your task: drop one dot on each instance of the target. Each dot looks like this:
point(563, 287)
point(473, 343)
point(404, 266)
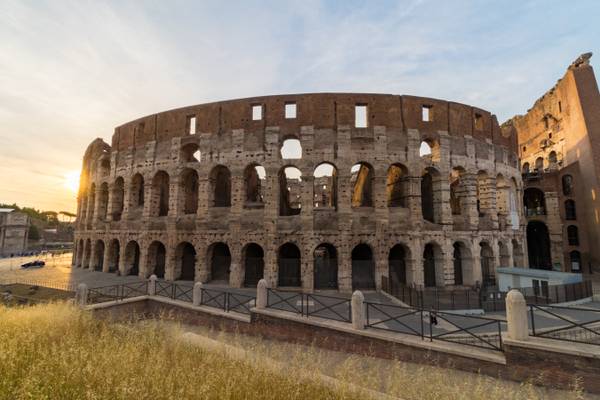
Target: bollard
point(516, 316)
point(358, 310)
point(261, 294)
point(197, 294)
point(81, 294)
point(152, 285)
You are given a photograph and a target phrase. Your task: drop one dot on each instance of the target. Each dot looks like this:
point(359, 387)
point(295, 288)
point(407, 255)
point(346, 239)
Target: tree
point(34, 233)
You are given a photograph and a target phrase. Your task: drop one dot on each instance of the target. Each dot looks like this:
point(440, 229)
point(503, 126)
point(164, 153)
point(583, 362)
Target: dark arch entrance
point(458, 267)
point(186, 257)
point(98, 259)
point(220, 263)
point(132, 258)
point(289, 265)
point(427, 196)
point(397, 265)
point(254, 264)
point(429, 265)
point(157, 259)
point(326, 268)
point(538, 245)
point(487, 265)
point(114, 253)
point(363, 267)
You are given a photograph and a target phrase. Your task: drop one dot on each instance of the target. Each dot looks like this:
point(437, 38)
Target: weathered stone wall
point(161, 151)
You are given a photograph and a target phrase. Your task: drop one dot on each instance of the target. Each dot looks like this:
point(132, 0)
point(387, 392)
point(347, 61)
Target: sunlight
point(72, 181)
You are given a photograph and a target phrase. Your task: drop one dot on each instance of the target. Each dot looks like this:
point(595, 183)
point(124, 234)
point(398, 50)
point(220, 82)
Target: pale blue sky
point(72, 71)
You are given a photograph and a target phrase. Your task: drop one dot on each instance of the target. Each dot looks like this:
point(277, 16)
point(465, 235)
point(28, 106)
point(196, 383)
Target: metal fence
point(571, 324)
point(66, 286)
point(309, 304)
point(434, 325)
point(175, 291)
point(227, 300)
point(116, 292)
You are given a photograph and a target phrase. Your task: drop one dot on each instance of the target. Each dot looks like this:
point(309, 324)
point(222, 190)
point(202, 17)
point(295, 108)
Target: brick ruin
point(318, 191)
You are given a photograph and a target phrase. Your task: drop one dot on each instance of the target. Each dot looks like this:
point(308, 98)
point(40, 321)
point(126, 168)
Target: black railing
point(174, 291)
point(434, 325)
point(309, 304)
point(117, 292)
point(571, 324)
point(227, 301)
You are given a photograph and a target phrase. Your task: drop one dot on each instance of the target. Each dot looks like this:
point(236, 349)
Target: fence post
point(516, 315)
point(197, 294)
point(261, 294)
point(81, 294)
point(358, 310)
point(152, 285)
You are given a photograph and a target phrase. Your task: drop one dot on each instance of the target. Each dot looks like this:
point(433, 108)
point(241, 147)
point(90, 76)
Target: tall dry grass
point(55, 351)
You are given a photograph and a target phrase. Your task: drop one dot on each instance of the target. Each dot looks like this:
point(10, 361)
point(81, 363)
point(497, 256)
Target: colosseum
point(313, 191)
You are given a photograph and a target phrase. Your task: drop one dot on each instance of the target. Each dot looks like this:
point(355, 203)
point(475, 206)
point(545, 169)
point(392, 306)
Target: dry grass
point(56, 351)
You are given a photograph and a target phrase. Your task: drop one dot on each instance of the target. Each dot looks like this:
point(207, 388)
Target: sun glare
point(72, 181)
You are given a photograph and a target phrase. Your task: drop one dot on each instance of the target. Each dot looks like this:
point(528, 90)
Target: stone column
point(262, 294)
point(413, 184)
point(203, 198)
point(271, 270)
point(92, 260)
point(307, 201)
point(176, 196)
point(108, 249)
point(468, 200)
point(307, 268)
point(197, 294)
point(202, 273)
point(149, 201)
point(236, 276)
point(152, 285)
point(172, 267)
point(127, 193)
point(358, 310)
point(344, 254)
point(81, 295)
point(143, 267)
point(516, 316)
point(123, 267)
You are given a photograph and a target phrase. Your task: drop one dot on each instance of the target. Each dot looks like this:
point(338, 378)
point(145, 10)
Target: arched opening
point(570, 212)
point(79, 259)
point(457, 264)
point(535, 204)
point(118, 195)
point(114, 249)
point(157, 259)
point(84, 208)
point(488, 271)
point(137, 191)
point(191, 153)
point(189, 189)
point(87, 252)
point(254, 181)
point(575, 259)
point(104, 166)
point(397, 265)
point(538, 245)
point(220, 182)
point(539, 164)
point(429, 202)
point(160, 194)
point(573, 235)
point(361, 180)
point(429, 150)
point(220, 262)
point(91, 203)
point(484, 191)
point(525, 168)
point(430, 254)
point(567, 185)
point(254, 264)
point(502, 195)
point(132, 258)
point(397, 186)
point(504, 255)
point(98, 259)
point(457, 190)
point(325, 186)
point(424, 149)
point(552, 159)
point(288, 261)
point(325, 267)
point(363, 268)
point(291, 149)
point(185, 256)
point(290, 191)
point(103, 202)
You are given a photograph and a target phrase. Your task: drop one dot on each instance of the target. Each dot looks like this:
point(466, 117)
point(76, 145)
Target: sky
point(71, 71)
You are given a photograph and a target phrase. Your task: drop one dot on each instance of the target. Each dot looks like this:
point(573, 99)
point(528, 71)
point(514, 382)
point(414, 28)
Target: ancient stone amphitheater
point(318, 191)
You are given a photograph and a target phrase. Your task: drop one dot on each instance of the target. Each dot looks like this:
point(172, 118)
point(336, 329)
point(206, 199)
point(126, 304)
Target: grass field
point(56, 351)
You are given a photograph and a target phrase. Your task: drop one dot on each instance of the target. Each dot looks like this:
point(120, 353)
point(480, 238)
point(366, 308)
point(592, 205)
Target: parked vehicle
point(35, 263)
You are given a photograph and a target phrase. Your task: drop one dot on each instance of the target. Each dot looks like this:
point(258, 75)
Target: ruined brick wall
point(134, 202)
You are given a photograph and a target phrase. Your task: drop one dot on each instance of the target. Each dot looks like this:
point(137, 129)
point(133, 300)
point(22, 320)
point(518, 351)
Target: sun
point(72, 181)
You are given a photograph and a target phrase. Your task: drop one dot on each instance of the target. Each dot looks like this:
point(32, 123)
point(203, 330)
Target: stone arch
point(538, 245)
point(219, 259)
point(87, 252)
point(362, 175)
point(398, 271)
point(325, 266)
point(160, 194)
point(132, 258)
point(220, 185)
point(363, 267)
point(290, 191)
point(433, 268)
point(289, 263)
point(114, 252)
point(458, 191)
point(291, 148)
point(91, 203)
point(117, 199)
point(430, 195)
point(137, 191)
point(190, 153)
point(254, 264)
point(157, 259)
point(462, 262)
point(325, 186)
point(98, 256)
point(185, 257)
point(488, 270)
point(189, 191)
point(397, 186)
point(254, 184)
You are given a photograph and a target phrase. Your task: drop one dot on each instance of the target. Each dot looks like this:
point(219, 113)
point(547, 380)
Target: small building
point(14, 228)
point(510, 278)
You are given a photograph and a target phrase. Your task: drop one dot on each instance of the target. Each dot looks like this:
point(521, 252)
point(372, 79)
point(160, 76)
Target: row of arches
point(488, 194)
point(402, 267)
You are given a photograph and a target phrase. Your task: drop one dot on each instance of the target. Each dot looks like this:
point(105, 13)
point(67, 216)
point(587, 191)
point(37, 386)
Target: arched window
point(534, 202)
point(290, 191)
point(291, 149)
point(362, 185)
point(325, 186)
point(425, 149)
point(552, 159)
point(567, 185)
point(118, 193)
point(254, 181)
point(456, 190)
point(190, 153)
point(575, 258)
point(189, 189)
point(570, 213)
point(539, 164)
point(429, 201)
point(160, 194)
point(137, 191)
point(525, 168)
point(220, 180)
point(397, 188)
point(573, 235)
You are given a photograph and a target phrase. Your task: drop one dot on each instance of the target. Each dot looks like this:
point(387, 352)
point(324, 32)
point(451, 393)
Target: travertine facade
point(14, 229)
point(559, 147)
point(183, 193)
